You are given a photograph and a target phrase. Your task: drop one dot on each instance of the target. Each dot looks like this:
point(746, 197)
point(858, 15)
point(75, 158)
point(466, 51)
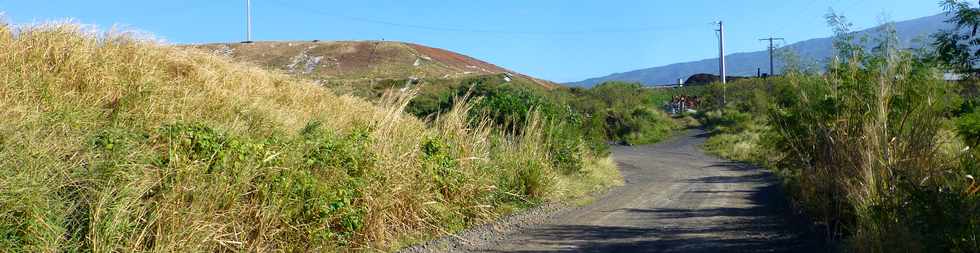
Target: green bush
point(524, 181)
point(350, 153)
point(624, 112)
point(565, 149)
point(322, 209)
point(576, 118)
point(968, 127)
point(322, 200)
point(439, 162)
point(862, 148)
point(728, 120)
point(201, 143)
point(570, 136)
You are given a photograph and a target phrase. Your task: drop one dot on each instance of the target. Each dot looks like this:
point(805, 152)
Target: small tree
point(955, 47)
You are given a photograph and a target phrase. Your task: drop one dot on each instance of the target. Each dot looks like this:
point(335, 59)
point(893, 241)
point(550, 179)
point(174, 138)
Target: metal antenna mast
point(248, 21)
point(772, 50)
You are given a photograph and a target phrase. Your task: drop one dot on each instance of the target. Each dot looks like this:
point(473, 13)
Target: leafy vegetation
point(578, 122)
point(620, 112)
point(111, 143)
point(628, 112)
point(879, 149)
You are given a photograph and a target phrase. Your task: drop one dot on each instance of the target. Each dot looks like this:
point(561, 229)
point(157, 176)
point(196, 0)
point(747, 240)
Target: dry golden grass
point(109, 143)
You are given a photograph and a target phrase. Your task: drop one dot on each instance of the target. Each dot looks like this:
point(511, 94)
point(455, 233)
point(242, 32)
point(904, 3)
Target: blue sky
point(560, 40)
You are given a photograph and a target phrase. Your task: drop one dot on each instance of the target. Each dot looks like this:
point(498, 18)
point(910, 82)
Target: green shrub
point(570, 136)
point(322, 201)
point(968, 127)
point(350, 153)
point(323, 210)
point(645, 126)
point(861, 148)
point(575, 118)
point(524, 181)
point(200, 143)
point(728, 120)
point(439, 161)
point(624, 113)
point(565, 152)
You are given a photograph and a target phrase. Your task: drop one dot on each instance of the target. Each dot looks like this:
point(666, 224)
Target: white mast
point(723, 72)
point(248, 20)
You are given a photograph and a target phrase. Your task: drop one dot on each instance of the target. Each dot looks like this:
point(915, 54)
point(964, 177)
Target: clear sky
point(559, 40)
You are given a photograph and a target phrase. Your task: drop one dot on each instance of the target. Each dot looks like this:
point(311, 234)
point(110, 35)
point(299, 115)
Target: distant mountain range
point(912, 34)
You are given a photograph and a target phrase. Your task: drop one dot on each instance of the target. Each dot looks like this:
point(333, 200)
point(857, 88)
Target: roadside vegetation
point(581, 122)
point(879, 149)
point(627, 113)
point(113, 143)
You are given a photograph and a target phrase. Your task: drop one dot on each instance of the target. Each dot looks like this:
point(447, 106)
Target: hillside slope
point(113, 144)
point(354, 61)
point(746, 64)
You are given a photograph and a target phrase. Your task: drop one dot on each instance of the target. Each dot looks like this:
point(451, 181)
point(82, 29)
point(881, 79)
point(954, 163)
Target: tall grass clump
point(874, 149)
point(111, 143)
point(867, 141)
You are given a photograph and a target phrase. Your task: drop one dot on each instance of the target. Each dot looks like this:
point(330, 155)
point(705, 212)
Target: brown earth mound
point(362, 60)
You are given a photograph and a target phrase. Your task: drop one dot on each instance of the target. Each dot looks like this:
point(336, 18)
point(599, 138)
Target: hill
point(746, 64)
point(113, 144)
point(354, 62)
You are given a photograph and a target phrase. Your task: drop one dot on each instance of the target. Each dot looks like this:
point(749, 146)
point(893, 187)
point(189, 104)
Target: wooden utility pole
point(772, 51)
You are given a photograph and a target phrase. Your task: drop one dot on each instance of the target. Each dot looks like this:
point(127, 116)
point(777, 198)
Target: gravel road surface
point(676, 199)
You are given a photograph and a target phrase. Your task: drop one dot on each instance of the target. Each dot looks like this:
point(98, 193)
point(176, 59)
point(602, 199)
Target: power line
point(772, 49)
point(467, 30)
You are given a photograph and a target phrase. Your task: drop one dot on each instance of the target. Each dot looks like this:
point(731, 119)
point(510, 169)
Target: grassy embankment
point(879, 149)
point(110, 143)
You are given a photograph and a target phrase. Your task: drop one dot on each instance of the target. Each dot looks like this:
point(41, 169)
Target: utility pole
point(248, 21)
point(722, 71)
point(772, 51)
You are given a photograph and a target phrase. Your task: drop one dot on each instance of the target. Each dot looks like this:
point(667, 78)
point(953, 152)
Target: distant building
point(703, 79)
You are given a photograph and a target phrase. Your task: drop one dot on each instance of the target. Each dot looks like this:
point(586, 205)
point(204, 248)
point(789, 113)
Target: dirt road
point(676, 199)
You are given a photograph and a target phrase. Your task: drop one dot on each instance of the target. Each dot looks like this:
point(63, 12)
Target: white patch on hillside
point(304, 60)
point(224, 50)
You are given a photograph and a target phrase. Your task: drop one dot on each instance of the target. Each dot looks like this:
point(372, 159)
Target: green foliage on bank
point(879, 150)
